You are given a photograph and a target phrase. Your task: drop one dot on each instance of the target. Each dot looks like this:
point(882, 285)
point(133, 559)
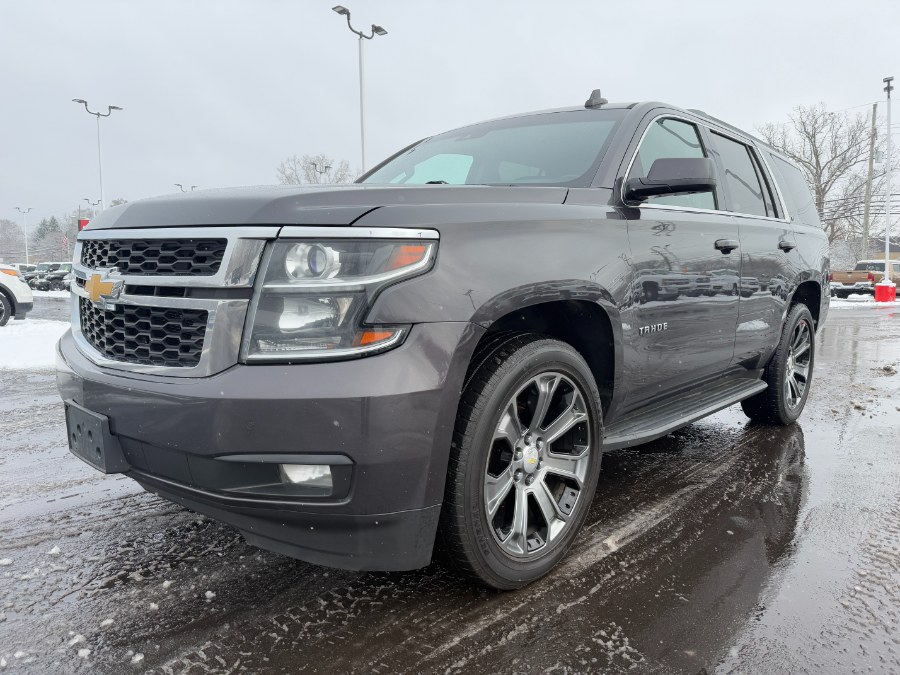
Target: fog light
point(318, 475)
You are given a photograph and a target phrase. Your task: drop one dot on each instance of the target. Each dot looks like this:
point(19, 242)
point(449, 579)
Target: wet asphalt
point(726, 547)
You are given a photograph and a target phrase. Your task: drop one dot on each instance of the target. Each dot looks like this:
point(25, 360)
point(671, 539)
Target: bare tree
point(313, 169)
point(832, 149)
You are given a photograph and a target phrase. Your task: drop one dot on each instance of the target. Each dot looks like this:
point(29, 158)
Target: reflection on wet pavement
point(726, 545)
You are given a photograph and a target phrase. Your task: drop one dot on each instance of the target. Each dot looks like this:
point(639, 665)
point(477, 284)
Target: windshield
point(43, 267)
point(563, 148)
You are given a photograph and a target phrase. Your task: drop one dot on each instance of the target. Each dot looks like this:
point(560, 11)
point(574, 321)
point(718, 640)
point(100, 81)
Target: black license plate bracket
point(91, 440)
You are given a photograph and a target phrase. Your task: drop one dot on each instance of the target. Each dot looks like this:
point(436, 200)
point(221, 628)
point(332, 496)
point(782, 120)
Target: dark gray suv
point(437, 355)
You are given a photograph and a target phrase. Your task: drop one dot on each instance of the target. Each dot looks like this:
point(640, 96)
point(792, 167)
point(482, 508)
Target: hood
point(315, 205)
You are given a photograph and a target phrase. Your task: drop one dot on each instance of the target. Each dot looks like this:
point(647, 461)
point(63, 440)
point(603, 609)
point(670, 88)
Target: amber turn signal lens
point(12, 273)
point(406, 255)
point(370, 337)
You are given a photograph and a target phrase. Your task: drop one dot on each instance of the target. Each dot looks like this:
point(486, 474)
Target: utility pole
point(888, 290)
point(868, 204)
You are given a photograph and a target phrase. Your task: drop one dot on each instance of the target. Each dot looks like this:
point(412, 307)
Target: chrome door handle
point(726, 245)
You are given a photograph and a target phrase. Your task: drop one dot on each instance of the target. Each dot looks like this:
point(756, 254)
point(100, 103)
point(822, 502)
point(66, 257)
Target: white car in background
point(15, 295)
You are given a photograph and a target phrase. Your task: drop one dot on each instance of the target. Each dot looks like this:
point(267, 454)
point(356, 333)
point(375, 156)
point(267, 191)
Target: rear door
point(678, 330)
point(767, 267)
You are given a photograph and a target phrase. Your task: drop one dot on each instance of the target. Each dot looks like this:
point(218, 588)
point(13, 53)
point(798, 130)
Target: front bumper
point(390, 415)
point(22, 309)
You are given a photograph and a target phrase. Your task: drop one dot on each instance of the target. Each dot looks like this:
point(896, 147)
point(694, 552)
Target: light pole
point(888, 294)
point(98, 115)
point(25, 220)
point(181, 187)
point(92, 204)
point(376, 30)
point(325, 168)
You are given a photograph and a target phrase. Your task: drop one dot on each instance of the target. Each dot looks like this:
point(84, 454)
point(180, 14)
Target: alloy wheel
point(797, 366)
point(537, 465)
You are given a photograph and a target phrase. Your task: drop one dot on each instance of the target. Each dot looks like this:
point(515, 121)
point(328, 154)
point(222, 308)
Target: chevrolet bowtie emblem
point(100, 288)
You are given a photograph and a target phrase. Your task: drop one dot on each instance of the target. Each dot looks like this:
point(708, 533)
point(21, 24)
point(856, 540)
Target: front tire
point(5, 310)
point(524, 463)
point(788, 374)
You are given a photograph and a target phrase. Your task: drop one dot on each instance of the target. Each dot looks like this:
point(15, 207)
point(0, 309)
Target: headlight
point(314, 296)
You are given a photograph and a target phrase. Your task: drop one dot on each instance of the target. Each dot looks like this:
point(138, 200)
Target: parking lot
point(725, 547)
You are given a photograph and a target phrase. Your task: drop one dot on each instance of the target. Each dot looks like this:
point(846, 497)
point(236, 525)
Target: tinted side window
point(796, 192)
point(671, 138)
point(741, 177)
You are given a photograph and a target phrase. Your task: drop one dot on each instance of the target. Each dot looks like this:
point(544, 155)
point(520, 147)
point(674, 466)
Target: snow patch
point(51, 294)
point(137, 658)
point(5, 561)
point(30, 343)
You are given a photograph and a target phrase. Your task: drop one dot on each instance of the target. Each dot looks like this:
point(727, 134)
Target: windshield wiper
point(436, 182)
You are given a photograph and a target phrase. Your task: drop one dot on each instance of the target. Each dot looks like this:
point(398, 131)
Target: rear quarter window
point(795, 190)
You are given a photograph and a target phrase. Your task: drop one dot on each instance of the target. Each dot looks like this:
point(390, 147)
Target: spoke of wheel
point(496, 489)
point(802, 371)
point(567, 466)
point(799, 385)
point(794, 394)
point(516, 541)
point(546, 385)
point(800, 338)
point(568, 419)
point(509, 427)
point(548, 506)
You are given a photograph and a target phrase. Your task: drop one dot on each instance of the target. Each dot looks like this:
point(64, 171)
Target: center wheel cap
point(530, 458)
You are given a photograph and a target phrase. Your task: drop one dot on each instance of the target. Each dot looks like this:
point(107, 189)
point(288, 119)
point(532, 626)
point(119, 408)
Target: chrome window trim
point(788, 218)
point(301, 232)
point(719, 130)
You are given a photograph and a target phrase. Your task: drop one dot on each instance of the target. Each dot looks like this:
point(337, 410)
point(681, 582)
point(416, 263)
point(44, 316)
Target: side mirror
point(673, 176)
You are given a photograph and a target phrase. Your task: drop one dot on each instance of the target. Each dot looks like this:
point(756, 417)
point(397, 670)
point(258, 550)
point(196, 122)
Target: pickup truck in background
point(862, 278)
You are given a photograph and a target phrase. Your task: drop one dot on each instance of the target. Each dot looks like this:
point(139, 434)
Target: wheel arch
point(589, 324)
point(808, 293)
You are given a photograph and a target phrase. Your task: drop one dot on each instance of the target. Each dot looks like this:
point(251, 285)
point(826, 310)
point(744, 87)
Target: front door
point(680, 324)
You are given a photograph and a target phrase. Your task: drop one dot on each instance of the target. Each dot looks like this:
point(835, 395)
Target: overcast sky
point(217, 92)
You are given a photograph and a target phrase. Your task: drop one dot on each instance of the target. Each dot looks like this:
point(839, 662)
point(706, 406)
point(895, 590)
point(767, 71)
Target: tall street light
point(98, 115)
point(181, 187)
point(25, 220)
point(376, 30)
point(92, 205)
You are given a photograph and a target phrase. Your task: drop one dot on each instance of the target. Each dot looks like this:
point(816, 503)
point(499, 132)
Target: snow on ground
point(50, 294)
point(859, 300)
point(30, 343)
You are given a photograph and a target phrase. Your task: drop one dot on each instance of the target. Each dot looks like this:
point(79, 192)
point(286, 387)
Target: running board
point(661, 419)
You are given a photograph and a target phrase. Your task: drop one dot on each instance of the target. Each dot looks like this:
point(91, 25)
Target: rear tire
point(789, 373)
point(5, 310)
point(524, 462)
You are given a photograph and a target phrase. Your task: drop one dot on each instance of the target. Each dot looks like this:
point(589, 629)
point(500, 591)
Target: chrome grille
point(150, 336)
point(171, 316)
point(152, 257)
